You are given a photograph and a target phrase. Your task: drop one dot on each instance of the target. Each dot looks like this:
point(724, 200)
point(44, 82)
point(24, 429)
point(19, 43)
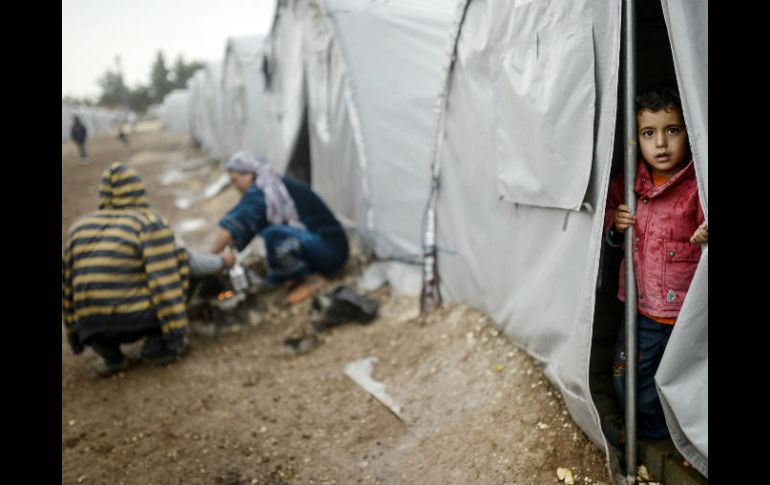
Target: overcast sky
point(95, 31)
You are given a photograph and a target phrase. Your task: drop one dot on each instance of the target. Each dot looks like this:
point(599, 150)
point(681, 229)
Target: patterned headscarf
point(280, 205)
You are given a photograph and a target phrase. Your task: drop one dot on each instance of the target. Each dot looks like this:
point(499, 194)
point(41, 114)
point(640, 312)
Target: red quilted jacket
point(664, 259)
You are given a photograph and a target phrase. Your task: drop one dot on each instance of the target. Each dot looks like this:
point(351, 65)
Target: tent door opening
point(654, 66)
point(299, 163)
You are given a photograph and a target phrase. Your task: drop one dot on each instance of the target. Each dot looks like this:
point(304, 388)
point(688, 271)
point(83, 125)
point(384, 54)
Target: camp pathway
point(240, 409)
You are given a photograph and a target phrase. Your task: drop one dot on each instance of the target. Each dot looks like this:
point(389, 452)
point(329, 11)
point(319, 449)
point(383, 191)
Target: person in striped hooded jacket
point(125, 278)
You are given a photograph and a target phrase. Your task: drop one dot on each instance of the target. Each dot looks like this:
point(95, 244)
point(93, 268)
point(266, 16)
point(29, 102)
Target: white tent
point(244, 105)
point(285, 84)
point(96, 120)
point(362, 80)
point(683, 374)
point(195, 108)
point(174, 112)
point(66, 121)
point(524, 150)
point(205, 109)
point(213, 140)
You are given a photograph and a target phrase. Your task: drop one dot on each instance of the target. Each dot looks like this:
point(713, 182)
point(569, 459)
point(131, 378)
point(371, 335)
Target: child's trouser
point(652, 340)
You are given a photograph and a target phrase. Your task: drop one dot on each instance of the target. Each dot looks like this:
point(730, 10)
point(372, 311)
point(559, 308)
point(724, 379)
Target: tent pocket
point(545, 92)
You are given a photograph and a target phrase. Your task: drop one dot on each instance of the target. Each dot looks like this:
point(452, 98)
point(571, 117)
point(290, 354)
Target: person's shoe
point(301, 345)
point(614, 430)
point(163, 359)
point(156, 351)
point(306, 289)
point(106, 369)
point(340, 306)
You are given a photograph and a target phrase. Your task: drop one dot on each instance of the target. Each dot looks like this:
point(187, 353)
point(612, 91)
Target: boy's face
point(663, 140)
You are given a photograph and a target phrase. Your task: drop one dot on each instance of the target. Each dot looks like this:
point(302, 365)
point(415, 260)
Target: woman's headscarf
point(280, 205)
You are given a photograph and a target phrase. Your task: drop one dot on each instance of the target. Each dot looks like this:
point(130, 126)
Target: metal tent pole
point(631, 246)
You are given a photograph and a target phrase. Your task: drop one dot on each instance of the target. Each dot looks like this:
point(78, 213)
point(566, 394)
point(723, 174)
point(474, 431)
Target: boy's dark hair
point(658, 97)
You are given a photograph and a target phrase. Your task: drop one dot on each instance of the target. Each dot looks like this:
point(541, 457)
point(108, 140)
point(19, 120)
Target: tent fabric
point(337, 151)
point(205, 109)
point(174, 112)
point(686, 21)
point(682, 378)
point(244, 105)
point(66, 122)
point(213, 139)
point(196, 109)
point(369, 112)
point(286, 98)
point(523, 243)
point(97, 121)
point(548, 164)
point(395, 95)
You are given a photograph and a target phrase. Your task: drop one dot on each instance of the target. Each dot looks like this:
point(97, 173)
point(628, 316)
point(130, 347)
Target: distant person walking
point(122, 135)
point(78, 133)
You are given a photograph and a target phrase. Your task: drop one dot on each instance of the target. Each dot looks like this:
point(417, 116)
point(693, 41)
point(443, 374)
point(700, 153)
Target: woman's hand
point(222, 239)
point(228, 257)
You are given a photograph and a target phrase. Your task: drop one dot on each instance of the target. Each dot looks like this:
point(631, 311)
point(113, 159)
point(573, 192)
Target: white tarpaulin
point(683, 374)
point(286, 98)
point(196, 109)
point(525, 149)
point(66, 122)
point(96, 120)
point(174, 112)
point(205, 109)
point(244, 105)
point(211, 93)
point(370, 74)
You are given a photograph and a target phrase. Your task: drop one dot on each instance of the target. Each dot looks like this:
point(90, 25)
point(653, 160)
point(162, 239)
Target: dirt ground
point(241, 409)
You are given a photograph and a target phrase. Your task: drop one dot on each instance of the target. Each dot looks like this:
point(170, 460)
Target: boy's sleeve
point(168, 273)
point(614, 199)
point(67, 303)
point(203, 264)
point(700, 218)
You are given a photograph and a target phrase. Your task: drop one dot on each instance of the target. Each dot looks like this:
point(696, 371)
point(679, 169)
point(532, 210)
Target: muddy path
point(241, 409)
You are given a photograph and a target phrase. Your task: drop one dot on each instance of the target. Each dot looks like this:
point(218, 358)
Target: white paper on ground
point(361, 373)
point(373, 278)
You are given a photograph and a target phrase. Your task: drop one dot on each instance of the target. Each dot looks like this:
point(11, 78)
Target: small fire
point(225, 295)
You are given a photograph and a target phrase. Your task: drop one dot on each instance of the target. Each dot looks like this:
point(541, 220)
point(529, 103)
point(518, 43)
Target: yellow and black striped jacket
point(121, 268)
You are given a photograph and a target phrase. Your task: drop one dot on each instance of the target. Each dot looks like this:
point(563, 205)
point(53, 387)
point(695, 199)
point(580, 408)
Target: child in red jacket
point(668, 229)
